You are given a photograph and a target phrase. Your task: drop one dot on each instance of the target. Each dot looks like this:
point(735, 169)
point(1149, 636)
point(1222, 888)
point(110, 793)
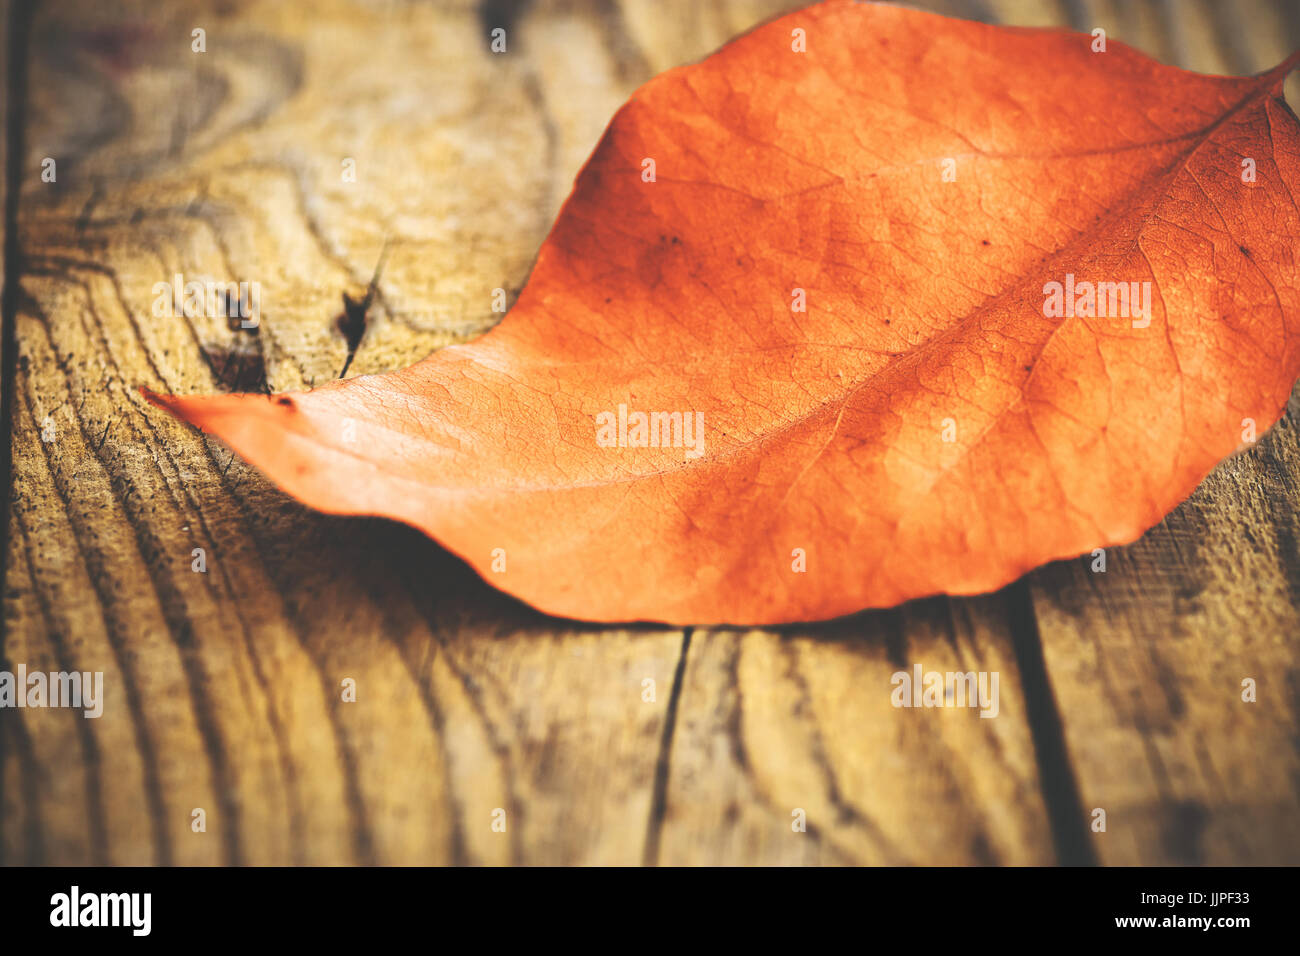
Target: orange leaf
point(839, 268)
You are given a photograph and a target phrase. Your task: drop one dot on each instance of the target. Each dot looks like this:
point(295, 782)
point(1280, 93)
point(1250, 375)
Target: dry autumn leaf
point(905, 305)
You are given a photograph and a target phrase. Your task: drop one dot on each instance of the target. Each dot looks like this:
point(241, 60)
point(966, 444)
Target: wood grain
point(770, 723)
point(224, 688)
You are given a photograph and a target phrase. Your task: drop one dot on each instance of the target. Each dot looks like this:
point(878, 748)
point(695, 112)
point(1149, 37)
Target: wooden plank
point(766, 723)
point(1146, 661)
point(770, 724)
point(224, 687)
point(1176, 776)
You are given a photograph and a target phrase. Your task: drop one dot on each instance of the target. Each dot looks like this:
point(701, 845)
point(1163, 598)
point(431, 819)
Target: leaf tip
point(154, 398)
point(174, 404)
point(1279, 73)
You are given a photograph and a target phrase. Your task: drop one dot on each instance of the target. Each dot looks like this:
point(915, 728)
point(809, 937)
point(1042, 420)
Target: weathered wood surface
point(1118, 690)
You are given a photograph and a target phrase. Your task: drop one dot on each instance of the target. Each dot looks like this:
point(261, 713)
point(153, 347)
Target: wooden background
point(1118, 690)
